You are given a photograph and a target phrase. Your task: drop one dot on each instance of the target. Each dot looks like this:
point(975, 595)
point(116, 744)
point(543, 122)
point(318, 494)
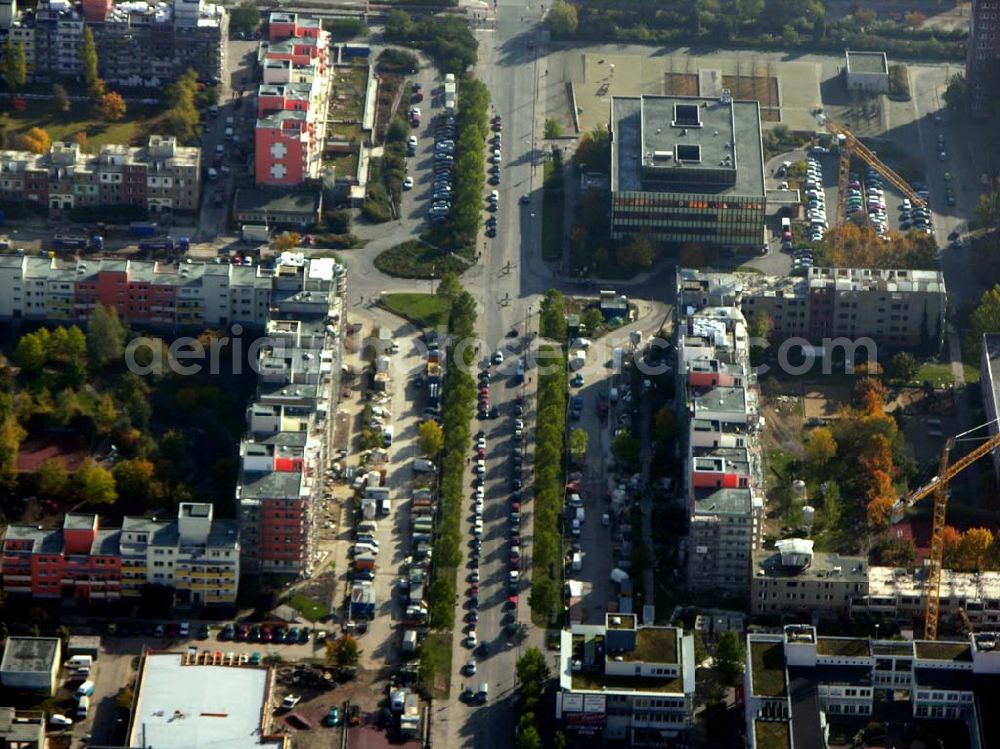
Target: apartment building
point(138, 44)
point(626, 682)
point(965, 598)
point(896, 308)
point(989, 378)
point(195, 555)
point(282, 455)
point(292, 101)
point(793, 580)
point(142, 292)
point(982, 64)
point(796, 682)
point(724, 476)
point(160, 177)
point(688, 169)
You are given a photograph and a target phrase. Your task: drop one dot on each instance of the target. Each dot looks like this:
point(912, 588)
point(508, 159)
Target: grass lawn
point(417, 259)
point(552, 210)
point(310, 608)
point(436, 649)
point(939, 373)
point(428, 311)
point(346, 164)
point(347, 97)
point(134, 130)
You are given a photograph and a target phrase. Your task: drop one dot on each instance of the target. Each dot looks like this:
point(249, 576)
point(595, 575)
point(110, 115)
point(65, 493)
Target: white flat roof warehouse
point(186, 707)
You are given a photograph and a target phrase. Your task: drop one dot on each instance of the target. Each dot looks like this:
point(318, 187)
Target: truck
point(143, 229)
point(167, 243)
point(68, 242)
point(364, 562)
point(362, 601)
point(255, 233)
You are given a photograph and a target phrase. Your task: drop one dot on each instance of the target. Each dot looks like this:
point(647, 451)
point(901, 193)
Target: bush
point(447, 39)
point(392, 60)
point(899, 83)
point(345, 28)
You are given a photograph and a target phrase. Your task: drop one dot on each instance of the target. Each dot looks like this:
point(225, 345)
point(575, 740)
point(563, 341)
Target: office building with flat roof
point(866, 71)
point(796, 682)
point(31, 663)
point(182, 704)
point(687, 169)
point(626, 681)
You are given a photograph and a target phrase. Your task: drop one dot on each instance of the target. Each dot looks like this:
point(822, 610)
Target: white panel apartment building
point(724, 480)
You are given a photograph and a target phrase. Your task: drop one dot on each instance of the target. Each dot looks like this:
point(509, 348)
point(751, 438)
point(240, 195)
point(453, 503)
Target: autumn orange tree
point(112, 106)
point(36, 140)
point(862, 247)
point(976, 550)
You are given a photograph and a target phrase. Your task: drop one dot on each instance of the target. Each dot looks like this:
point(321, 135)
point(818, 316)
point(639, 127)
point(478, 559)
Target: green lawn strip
point(553, 200)
point(436, 656)
point(427, 311)
point(310, 608)
point(547, 563)
point(417, 259)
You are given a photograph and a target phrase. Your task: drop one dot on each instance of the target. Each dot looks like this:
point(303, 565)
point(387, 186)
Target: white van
point(80, 661)
point(82, 708)
point(786, 224)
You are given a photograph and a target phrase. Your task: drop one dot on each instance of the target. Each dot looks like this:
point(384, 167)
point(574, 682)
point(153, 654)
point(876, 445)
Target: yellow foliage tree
point(821, 447)
point(975, 550)
point(871, 395)
point(287, 241)
point(112, 106)
point(36, 140)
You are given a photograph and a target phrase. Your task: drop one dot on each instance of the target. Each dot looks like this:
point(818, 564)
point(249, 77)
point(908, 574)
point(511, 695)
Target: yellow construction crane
point(851, 146)
point(938, 486)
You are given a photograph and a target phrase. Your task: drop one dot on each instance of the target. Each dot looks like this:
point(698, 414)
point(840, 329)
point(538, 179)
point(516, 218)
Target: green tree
point(105, 337)
point(134, 482)
point(528, 738)
point(625, 448)
point(552, 128)
point(88, 56)
point(591, 319)
point(831, 505)
point(532, 670)
point(95, 484)
point(729, 656)
point(988, 210)
point(903, 366)
point(430, 437)
point(399, 25)
point(700, 651)
point(343, 652)
point(449, 287)
point(11, 436)
point(665, 424)
point(578, 443)
point(51, 478)
point(552, 316)
point(562, 19)
point(15, 68)
point(638, 253)
point(956, 95)
point(105, 415)
point(66, 407)
point(985, 319)
point(593, 153)
point(244, 18)
point(543, 596)
point(182, 119)
point(29, 354)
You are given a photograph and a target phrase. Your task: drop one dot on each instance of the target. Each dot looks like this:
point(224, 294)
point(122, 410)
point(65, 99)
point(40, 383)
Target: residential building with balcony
point(138, 45)
point(292, 101)
point(142, 292)
point(194, 554)
point(793, 580)
point(797, 682)
point(625, 682)
point(982, 63)
point(724, 477)
point(897, 308)
point(160, 177)
point(687, 169)
point(282, 455)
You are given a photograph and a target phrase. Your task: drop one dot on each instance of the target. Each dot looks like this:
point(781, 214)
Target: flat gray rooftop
point(29, 654)
point(186, 707)
point(867, 62)
point(642, 126)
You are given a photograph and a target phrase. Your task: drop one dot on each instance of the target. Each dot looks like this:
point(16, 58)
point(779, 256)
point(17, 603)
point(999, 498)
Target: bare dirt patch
point(763, 88)
point(680, 84)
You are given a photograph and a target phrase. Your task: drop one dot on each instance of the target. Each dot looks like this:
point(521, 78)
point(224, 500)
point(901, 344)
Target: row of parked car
point(444, 159)
point(228, 633)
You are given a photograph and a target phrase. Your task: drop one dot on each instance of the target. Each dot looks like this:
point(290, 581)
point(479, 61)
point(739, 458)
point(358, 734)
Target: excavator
point(938, 487)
